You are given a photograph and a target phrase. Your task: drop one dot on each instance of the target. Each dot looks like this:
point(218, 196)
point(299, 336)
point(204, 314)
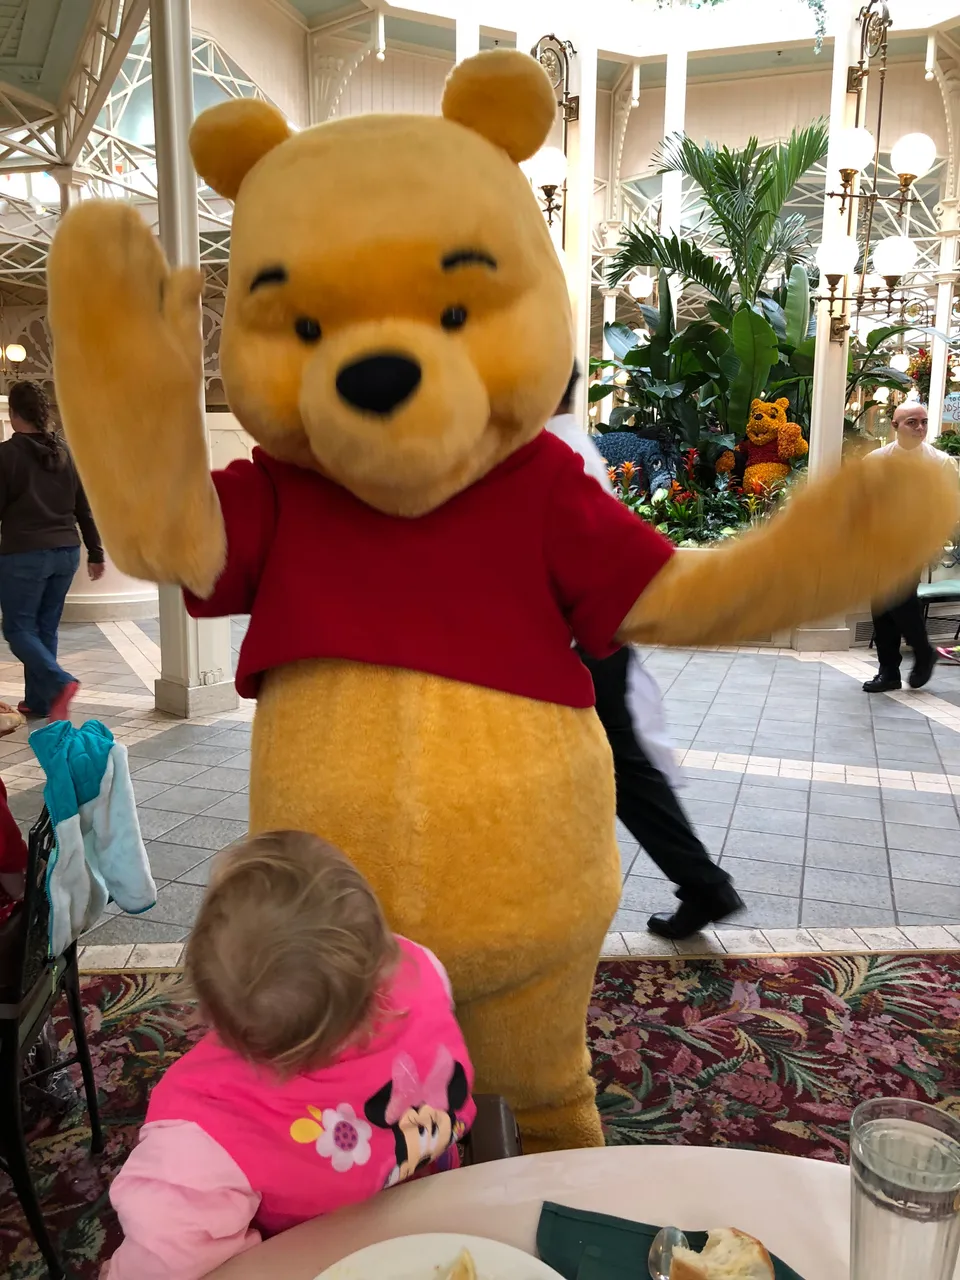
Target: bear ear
point(506, 96)
point(226, 141)
point(783, 403)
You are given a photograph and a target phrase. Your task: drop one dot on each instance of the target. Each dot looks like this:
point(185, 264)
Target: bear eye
point(307, 328)
point(454, 318)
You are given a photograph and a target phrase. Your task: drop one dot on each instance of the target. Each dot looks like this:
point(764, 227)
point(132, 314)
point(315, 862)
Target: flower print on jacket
point(339, 1134)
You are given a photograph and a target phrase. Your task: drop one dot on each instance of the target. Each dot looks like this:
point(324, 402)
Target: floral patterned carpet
point(771, 1053)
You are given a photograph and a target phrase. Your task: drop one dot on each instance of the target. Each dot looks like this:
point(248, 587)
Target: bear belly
point(483, 820)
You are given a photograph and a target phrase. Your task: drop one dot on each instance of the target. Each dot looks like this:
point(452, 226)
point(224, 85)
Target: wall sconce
point(836, 258)
point(555, 55)
point(547, 171)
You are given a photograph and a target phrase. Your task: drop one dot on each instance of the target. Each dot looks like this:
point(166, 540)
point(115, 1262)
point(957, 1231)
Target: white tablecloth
point(799, 1208)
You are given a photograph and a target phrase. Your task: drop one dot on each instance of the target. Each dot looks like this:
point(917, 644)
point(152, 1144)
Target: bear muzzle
point(380, 383)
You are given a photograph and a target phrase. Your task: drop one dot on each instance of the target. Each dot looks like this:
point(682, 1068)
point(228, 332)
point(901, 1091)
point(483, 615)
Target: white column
point(196, 661)
point(946, 286)
point(674, 121)
point(830, 360)
point(578, 242)
point(468, 38)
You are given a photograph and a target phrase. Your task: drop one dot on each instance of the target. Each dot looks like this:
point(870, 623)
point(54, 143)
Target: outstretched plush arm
point(128, 363)
point(858, 537)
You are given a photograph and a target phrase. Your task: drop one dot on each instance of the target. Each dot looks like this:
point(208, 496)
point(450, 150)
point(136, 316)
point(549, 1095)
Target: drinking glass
point(905, 1166)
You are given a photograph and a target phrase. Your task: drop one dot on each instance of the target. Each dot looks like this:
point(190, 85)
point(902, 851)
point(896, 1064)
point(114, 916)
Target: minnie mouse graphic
point(422, 1115)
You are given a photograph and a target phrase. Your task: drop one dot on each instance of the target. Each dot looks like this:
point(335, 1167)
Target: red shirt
point(489, 589)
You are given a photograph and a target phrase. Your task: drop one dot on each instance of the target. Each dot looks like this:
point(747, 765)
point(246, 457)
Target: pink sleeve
point(184, 1205)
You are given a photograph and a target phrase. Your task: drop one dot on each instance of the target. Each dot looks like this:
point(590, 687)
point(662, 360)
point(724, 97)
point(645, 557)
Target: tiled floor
point(832, 810)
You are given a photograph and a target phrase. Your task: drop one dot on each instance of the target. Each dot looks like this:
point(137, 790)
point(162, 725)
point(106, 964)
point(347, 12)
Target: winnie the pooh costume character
point(416, 554)
point(771, 443)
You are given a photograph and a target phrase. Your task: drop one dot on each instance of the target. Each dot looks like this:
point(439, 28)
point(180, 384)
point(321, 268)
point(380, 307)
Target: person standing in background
point(631, 712)
point(42, 505)
point(903, 618)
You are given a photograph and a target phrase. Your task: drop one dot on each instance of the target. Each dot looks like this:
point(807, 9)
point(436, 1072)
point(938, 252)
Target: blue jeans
point(33, 587)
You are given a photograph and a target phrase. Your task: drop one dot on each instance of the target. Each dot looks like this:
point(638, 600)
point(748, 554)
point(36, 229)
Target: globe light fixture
point(15, 353)
point(622, 378)
point(893, 258)
point(881, 395)
point(912, 157)
point(900, 361)
point(853, 151)
point(837, 257)
point(640, 287)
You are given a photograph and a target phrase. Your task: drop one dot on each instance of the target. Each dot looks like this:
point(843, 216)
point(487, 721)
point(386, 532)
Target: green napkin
point(593, 1246)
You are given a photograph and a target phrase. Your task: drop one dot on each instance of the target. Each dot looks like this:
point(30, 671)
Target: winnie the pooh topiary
point(771, 443)
point(416, 554)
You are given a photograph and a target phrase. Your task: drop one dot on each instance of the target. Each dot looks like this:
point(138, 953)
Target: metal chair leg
point(13, 1147)
point(71, 985)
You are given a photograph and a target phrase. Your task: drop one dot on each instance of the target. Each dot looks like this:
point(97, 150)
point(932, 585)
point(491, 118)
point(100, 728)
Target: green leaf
point(722, 315)
point(665, 329)
point(620, 415)
point(879, 336)
point(756, 346)
point(803, 358)
point(599, 391)
point(619, 338)
point(798, 306)
point(651, 316)
point(774, 313)
point(670, 253)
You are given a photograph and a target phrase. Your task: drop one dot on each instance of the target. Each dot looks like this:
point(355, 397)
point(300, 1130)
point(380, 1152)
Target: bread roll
point(728, 1255)
point(10, 720)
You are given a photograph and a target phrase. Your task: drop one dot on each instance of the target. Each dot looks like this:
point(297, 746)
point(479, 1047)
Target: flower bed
point(691, 513)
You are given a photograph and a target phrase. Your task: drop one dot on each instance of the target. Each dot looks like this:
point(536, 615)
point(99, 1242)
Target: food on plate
point(10, 719)
point(728, 1255)
point(464, 1268)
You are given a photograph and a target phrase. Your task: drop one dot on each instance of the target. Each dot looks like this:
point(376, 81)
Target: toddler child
point(335, 1067)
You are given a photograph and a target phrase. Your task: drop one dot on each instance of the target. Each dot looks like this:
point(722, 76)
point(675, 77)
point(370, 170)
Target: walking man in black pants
point(904, 617)
point(648, 807)
point(646, 803)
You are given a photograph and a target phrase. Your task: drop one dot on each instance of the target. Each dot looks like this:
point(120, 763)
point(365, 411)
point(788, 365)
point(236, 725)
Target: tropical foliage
point(743, 191)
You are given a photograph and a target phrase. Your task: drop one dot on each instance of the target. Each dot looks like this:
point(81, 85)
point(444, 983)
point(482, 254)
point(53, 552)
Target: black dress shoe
point(923, 669)
point(690, 917)
point(882, 684)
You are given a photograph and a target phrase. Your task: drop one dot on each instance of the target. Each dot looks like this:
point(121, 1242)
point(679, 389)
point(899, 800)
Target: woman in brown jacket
point(42, 504)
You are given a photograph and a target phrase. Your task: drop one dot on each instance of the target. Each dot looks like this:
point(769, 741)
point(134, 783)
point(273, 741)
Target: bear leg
point(528, 1045)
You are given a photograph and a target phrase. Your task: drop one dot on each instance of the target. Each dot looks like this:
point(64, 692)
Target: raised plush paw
point(115, 302)
point(128, 363)
point(858, 537)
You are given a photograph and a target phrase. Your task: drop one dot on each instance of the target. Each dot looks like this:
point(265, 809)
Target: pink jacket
point(228, 1151)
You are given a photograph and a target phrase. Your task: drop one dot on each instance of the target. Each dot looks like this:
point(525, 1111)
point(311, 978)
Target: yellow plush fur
point(768, 423)
point(484, 820)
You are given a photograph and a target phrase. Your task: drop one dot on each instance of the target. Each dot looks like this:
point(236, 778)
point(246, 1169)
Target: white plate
point(426, 1257)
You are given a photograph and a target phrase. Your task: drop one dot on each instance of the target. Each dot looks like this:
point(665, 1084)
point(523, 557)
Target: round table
point(800, 1209)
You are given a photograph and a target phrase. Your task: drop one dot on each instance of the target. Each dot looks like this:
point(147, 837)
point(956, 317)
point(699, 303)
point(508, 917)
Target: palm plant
point(744, 191)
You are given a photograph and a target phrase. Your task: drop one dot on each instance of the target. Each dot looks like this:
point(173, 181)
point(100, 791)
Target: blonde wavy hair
point(290, 951)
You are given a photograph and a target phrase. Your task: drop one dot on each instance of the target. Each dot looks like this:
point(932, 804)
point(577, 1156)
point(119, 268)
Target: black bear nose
point(378, 384)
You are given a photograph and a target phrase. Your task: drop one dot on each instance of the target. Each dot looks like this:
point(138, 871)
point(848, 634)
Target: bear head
point(766, 419)
point(396, 316)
